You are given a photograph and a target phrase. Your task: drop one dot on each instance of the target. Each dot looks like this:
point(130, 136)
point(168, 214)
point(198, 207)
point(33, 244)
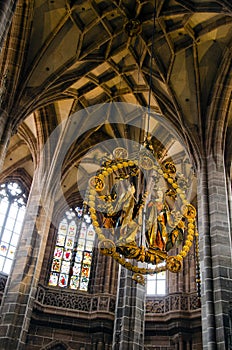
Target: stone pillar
point(11, 58)
point(129, 314)
point(215, 252)
point(5, 134)
point(18, 299)
point(7, 8)
point(105, 274)
point(181, 343)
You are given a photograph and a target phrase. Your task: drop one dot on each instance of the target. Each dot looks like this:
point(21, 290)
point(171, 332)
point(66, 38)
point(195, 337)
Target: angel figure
point(129, 219)
point(156, 232)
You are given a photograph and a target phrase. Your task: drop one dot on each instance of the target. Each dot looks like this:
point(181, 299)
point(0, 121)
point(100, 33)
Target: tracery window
point(12, 209)
point(156, 284)
point(73, 251)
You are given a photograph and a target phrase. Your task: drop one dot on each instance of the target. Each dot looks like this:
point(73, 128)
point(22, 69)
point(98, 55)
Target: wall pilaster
point(7, 8)
point(5, 134)
point(22, 282)
point(129, 314)
point(215, 251)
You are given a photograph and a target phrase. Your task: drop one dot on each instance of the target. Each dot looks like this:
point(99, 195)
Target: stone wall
point(77, 320)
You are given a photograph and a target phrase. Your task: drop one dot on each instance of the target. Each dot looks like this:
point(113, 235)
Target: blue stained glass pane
point(79, 212)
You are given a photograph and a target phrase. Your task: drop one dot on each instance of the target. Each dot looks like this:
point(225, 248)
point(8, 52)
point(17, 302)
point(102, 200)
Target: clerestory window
point(156, 284)
point(12, 210)
point(72, 256)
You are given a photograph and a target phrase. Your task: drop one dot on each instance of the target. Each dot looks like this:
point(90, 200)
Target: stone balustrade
point(69, 299)
point(172, 302)
point(75, 301)
point(87, 303)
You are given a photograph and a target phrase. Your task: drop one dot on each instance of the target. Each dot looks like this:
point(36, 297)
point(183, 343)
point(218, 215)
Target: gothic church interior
point(80, 82)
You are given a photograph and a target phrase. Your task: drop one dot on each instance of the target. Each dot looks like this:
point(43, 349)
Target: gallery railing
point(68, 299)
point(47, 296)
point(172, 302)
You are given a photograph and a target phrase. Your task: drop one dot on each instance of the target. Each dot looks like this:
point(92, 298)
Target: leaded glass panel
point(12, 211)
point(72, 256)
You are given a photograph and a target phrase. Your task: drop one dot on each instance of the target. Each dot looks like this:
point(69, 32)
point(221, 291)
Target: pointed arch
point(56, 345)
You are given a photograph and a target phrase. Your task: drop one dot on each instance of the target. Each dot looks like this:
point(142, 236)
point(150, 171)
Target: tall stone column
point(18, 20)
point(5, 134)
point(18, 299)
point(7, 8)
point(129, 314)
point(215, 252)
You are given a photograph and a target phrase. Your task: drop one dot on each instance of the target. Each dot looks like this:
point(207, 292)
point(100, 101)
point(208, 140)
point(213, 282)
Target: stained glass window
point(12, 210)
point(156, 284)
point(73, 251)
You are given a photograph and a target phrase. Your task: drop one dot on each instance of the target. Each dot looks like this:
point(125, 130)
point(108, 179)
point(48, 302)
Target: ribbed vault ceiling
point(75, 54)
point(80, 50)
